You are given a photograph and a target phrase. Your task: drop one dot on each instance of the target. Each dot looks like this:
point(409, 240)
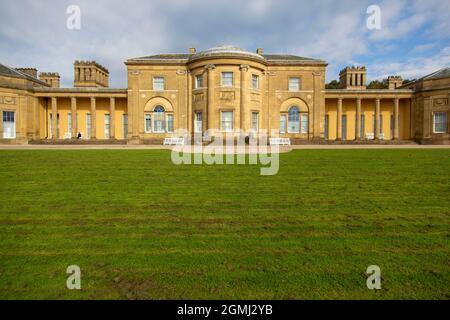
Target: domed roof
point(226, 50)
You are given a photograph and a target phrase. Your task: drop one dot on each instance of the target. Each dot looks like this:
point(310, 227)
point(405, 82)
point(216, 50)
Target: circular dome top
point(226, 50)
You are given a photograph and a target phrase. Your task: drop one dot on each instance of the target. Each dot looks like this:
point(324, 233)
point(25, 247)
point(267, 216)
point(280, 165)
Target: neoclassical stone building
point(222, 89)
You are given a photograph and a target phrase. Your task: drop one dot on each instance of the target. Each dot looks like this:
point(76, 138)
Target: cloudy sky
point(414, 38)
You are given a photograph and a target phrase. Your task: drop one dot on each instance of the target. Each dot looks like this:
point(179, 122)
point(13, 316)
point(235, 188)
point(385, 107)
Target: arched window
point(159, 124)
point(293, 120)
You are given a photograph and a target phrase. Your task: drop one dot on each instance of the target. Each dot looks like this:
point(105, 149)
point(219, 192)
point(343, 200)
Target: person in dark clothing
point(79, 135)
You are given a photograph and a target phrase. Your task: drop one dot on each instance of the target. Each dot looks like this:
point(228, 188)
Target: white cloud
point(33, 33)
point(411, 67)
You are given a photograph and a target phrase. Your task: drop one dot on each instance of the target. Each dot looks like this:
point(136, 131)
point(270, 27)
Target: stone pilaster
point(190, 115)
point(210, 68)
point(244, 95)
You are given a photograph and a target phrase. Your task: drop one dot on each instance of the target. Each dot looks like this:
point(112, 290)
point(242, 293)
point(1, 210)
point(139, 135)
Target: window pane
point(9, 125)
point(294, 84)
point(255, 121)
point(293, 120)
point(227, 121)
point(170, 123)
point(69, 123)
point(440, 122)
point(148, 123)
point(283, 123)
point(125, 126)
point(159, 119)
point(304, 124)
point(88, 126)
point(255, 81)
point(198, 122)
point(107, 126)
point(227, 79)
point(363, 126)
point(199, 81)
point(158, 83)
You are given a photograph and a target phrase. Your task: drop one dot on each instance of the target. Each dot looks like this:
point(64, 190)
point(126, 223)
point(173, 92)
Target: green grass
point(141, 227)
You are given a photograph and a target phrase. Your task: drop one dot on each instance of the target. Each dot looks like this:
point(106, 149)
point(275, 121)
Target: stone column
point(317, 109)
point(210, 100)
point(190, 115)
point(377, 119)
point(339, 120)
point(73, 103)
point(244, 68)
point(93, 119)
point(112, 118)
point(396, 113)
point(54, 118)
point(36, 119)
point(358, 119)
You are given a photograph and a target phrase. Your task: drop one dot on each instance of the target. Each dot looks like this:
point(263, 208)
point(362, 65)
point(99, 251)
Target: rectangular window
point(69, 124)
point(227, 121)
point(148, 123)
point(9, 125)
point(362, 133)
point(198, 81)
point(327, 124)
point(125, 126)
point(392, 126)
point(283, 123)
point(344, 127)
point(88, 126)
point(227, 79)
point(170, 123)
point(198, 123)
point(159, 122)
point(304, 123)
point(294, 84)
point(50, 126)
point(158, 83)
point(255, 81)
point(381, 123)
point(293, 121)
point(107, 126)
point(255, 121)
point(440, 122)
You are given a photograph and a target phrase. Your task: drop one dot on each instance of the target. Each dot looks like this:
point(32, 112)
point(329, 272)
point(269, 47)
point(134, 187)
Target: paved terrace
point(282, 149)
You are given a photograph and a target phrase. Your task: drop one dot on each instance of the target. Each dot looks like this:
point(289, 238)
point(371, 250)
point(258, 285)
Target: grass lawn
point(140, 227)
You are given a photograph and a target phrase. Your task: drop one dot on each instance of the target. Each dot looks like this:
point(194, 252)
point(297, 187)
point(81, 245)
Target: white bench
point(370, 136)
point(173, 141)
point(67, 135)
point(279, 141)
